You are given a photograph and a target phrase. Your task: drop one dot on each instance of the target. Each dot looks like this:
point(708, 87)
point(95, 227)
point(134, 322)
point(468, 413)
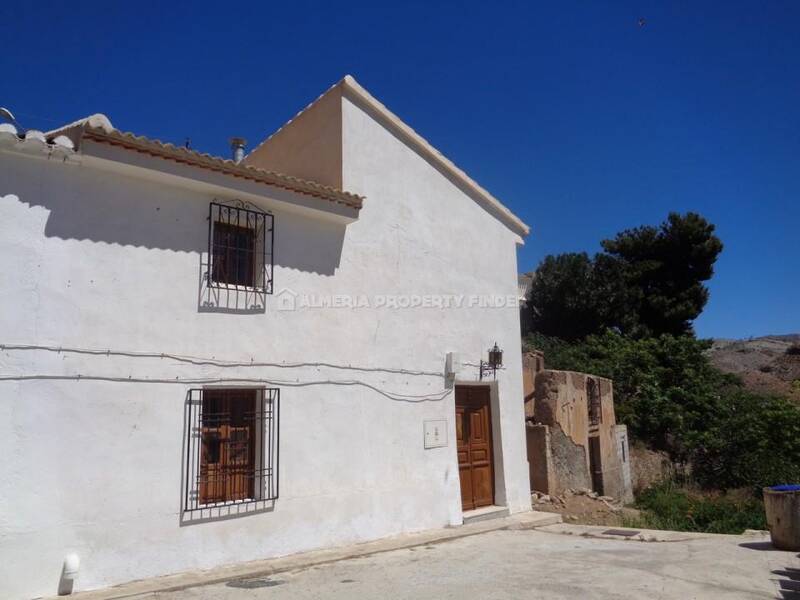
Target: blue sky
point(580, 120)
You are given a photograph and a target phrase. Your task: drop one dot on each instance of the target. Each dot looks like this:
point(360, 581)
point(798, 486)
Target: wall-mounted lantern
point(494, 363)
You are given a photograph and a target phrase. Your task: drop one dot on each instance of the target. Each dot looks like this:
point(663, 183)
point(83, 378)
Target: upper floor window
point(240, 240)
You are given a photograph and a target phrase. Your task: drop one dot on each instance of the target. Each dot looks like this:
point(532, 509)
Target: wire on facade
point(202, 361)
point(432, 397)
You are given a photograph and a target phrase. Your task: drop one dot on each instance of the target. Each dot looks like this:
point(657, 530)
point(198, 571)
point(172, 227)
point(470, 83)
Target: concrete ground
point(552, 562)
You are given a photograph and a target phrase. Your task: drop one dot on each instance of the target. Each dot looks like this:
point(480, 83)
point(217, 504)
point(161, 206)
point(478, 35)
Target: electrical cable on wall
point(199, 361)
point(434, 396)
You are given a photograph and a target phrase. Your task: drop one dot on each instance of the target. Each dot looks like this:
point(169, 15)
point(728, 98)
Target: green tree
point(648, 282)
point(562, 297)
point(668, 265)
point(626, 314)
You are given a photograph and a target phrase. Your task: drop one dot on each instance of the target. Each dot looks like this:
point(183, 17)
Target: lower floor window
point(232, 449)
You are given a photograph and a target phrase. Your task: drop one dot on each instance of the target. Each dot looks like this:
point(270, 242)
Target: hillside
point(762, 363)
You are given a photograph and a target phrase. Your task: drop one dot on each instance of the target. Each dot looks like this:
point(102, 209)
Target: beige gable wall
point(309, 146)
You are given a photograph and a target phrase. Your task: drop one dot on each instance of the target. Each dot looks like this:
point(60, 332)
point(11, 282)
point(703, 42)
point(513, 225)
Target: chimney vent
point(237, 147)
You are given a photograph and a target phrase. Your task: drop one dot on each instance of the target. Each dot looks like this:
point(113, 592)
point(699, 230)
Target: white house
point(205, 362)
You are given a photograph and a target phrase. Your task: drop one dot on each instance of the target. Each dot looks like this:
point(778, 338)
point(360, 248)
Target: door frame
point(498, 483)
point(480, 402)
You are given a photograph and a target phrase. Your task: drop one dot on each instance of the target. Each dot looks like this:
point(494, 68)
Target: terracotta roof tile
point(98, 128)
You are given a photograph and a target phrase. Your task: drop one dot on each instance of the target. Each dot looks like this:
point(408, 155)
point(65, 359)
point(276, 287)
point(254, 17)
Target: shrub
point(793, 350)
point(754, 440)
point(668, 506)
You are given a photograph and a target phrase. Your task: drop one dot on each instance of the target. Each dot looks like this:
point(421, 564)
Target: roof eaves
point(98, 128)
point(34, 140)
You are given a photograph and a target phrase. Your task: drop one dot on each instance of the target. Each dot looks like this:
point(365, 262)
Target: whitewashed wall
point(436, 240)
point(90, 259)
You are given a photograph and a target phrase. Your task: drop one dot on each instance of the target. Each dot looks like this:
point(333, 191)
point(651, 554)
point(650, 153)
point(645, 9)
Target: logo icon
point(287, 299)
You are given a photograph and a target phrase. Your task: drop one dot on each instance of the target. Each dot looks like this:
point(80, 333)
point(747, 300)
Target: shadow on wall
point(86, 204)
point(225, 299)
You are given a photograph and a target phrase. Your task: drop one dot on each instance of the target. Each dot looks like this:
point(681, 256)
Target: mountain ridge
point(764, 363)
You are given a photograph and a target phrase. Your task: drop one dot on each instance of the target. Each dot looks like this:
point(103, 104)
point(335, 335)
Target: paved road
point(542, 564)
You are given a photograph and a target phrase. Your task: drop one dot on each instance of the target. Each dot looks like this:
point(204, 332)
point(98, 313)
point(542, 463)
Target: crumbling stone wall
point(555, 462)
point(540, 458)
point(532, 364)
point(570, 463)
point(577, 411)
point(560, 400)
point(625, 494)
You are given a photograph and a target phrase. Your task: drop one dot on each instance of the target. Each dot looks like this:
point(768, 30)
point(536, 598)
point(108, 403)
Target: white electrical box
point(435, 434)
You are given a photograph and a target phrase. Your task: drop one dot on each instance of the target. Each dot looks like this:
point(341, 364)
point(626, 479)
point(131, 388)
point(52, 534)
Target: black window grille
point(240, 241)
point(232, 447)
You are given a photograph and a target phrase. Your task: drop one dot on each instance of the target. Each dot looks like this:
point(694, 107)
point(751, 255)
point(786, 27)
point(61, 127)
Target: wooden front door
point(474, 446)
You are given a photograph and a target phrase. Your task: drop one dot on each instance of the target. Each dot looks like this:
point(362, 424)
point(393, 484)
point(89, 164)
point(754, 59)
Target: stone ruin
point(574, 441)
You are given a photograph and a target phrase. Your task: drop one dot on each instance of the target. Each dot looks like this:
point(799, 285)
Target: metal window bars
point(232, 447)
point(240, 247)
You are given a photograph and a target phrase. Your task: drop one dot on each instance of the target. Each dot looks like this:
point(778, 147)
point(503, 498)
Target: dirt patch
point(583, 507)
